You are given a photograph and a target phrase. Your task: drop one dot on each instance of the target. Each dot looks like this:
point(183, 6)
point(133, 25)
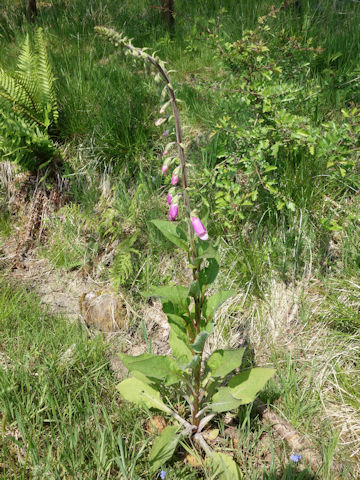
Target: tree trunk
point(32, 10)
point(167, 7)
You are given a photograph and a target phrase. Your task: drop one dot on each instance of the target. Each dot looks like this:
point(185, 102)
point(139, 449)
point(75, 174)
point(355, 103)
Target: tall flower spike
point(199, 228)
point(173, 211)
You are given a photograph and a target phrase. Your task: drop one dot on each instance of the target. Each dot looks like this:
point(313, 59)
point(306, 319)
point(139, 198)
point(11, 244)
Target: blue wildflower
point(162, 474)
point(295, 457)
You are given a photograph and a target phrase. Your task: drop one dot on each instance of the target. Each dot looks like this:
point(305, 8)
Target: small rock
point(102, 311)
point(155, 425)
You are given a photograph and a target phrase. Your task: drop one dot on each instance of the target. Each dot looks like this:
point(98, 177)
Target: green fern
point(123, 263)
point(28, 107)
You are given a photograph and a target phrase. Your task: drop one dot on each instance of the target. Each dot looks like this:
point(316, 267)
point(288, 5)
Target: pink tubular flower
point(164, 168)
point(173, 211)
point(199, 228)
point(166, 133)
point(169, 199)
point(165, 152)
point(174, 180)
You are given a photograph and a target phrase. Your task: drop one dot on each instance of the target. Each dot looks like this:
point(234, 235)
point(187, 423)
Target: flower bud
point(166, 133)
point(160, 121)
point(164, 168)
point(199, 228)
point(169, 199)
point(173, 211)
point(174, 179)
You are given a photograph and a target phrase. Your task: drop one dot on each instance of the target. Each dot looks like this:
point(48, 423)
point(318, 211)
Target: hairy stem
point(194, 390)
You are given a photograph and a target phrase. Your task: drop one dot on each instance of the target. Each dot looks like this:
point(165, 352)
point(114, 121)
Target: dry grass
point(282, 327)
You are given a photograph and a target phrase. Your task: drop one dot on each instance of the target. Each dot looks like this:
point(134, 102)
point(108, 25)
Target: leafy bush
point(276, 154)
point(28, 108)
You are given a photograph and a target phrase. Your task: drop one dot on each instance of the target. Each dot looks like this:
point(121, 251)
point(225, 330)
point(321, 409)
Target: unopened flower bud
point(174, 180)
point(169, 199)
point(173, 211)
point(164, 168)
point(160, 121)
point(199, 228)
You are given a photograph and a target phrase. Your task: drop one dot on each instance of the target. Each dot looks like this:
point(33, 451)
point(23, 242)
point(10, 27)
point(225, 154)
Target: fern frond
point(27, 91)
point(7, 86)
point(26, 61)
point(28, 107)
point(14, 96)
point(45, 76)
point(123, 266)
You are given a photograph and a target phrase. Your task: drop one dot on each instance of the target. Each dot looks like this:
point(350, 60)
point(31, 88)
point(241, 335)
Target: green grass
point(61, 415)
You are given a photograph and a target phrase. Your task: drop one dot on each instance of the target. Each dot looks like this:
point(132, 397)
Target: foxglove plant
point(208, 385)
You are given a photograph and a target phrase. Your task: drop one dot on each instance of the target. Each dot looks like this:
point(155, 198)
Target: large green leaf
point(222, 362)
point(177, 295)
point(208, 274)
point(160, 367)
point(172, 232)
point(224, 401)
point(164, 447)
point(178, 339)
point(246, 385)
point(213, 303)
point(223, 467)
point(199, 342)
point(206, 250)
point(135, 391)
